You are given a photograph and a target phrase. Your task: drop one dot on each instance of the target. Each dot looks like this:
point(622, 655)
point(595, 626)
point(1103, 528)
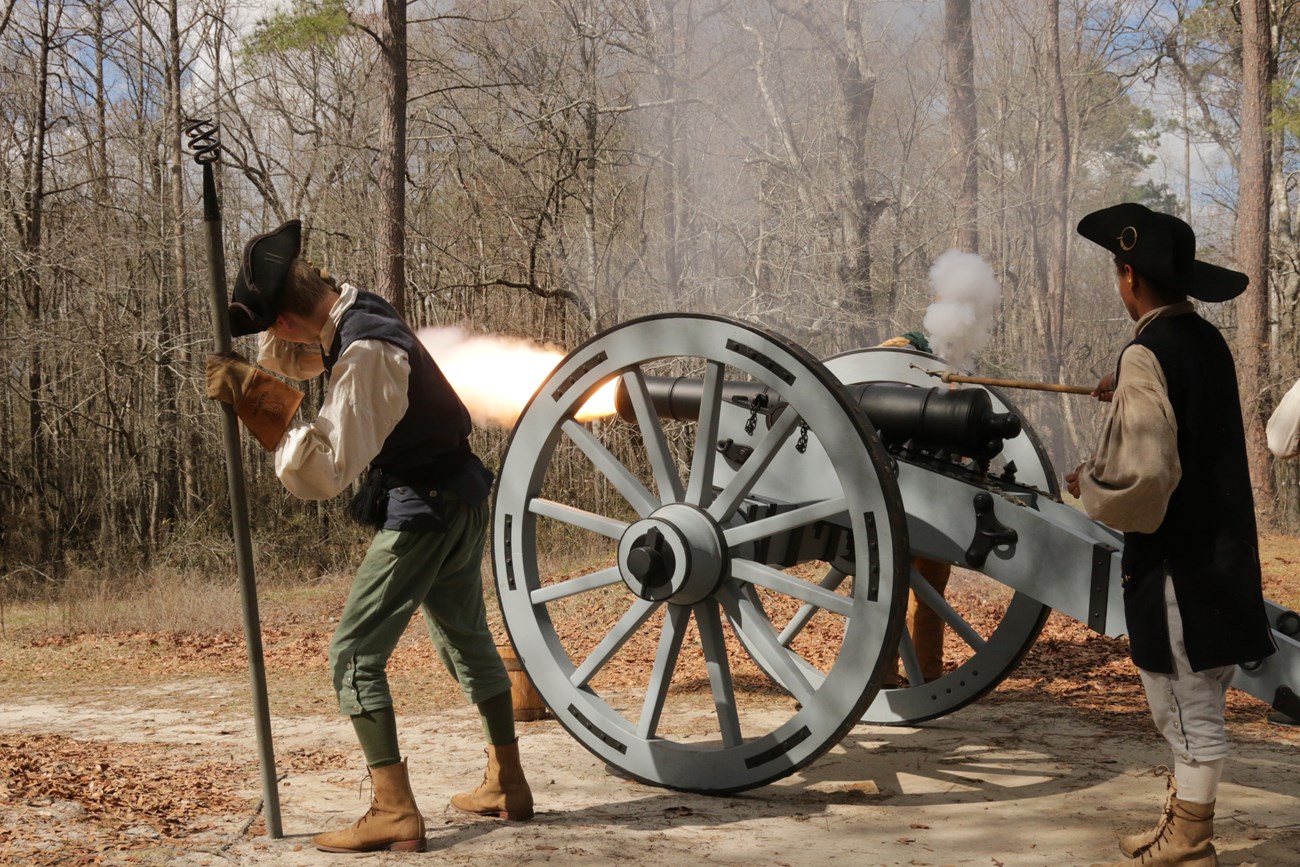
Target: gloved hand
point(263, 403)
point(229, 375)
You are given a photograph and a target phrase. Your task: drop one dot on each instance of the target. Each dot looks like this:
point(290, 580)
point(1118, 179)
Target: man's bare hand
point(1105, 390)
point(1072, 481)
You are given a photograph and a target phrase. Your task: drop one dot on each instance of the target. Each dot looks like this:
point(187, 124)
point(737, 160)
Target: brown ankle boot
point(1186, 839)
point(393, 821)
point(504, 792)
point(1131, 844)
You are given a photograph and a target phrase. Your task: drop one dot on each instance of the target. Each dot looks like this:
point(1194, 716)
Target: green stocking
point(377, 732)
point(498, 713)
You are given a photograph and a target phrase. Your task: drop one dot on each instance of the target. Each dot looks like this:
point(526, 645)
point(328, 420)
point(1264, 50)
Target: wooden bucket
point(528, 703)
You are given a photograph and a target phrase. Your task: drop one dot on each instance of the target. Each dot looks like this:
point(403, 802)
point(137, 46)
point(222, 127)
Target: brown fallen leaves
point(69, 801)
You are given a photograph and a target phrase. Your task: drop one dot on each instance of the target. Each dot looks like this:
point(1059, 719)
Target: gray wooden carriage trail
point(750, 456)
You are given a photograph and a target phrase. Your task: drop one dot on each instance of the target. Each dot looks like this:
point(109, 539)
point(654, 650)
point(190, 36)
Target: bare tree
point(1253, 209)
point(391, 249)
point(959, 57)
point(858, 207)
point(28, 214)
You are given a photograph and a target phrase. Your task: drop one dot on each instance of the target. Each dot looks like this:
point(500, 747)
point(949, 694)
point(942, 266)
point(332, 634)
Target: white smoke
point(967, 299)
point(494, 376)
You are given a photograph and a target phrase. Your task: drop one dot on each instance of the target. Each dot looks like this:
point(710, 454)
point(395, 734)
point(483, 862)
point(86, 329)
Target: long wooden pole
point(206, 155)
point(948, 376)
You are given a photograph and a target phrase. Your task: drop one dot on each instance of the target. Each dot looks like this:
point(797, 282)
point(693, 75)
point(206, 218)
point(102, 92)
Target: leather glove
point(263, 403)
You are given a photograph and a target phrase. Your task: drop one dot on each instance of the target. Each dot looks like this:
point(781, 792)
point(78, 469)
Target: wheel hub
point(675, 555)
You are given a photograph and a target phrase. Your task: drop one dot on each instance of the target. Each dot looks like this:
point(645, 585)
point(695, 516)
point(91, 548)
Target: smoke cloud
point(494, 376)
point(967, 298)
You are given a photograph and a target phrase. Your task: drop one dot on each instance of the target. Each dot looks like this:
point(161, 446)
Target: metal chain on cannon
point(759, 402)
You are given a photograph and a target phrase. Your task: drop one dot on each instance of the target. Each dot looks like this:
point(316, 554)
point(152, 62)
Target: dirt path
point(1002, 783)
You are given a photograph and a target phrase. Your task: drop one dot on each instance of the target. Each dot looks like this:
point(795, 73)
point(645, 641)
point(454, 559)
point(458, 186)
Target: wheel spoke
point(700, 489)
point(783, 522)
point(611, 468)
point(628, 624)
point(661, 676)
point(713, 643)
point(652, 433)
point(830, 581)
point(605, 526)
point(563, 589)
point(946, 612)
point(753, 467)
point(911, 664)
point(751, 619)
point(773, 579)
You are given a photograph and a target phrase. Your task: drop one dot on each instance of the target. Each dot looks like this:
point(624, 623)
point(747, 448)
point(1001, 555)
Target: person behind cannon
point(1170, 471)
point(1284, 442)
point(923, 624)
point(388, 407)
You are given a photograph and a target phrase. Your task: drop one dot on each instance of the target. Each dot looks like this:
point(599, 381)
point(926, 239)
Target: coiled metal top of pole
point(204, 142)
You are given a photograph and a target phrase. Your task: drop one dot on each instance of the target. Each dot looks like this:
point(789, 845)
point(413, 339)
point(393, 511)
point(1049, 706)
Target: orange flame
point(496, 376)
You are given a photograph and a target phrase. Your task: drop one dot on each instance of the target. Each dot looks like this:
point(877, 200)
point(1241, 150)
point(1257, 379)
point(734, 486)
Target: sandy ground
point(1006, 783)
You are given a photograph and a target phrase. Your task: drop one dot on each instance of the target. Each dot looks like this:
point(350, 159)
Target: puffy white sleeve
point(365, 400)
point(1284, 425)
point(1128, 482)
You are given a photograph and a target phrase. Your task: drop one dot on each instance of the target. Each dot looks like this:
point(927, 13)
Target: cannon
point(754, 530)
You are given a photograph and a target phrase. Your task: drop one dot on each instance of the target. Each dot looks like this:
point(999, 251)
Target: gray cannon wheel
point(999, 627)
point(643, 672)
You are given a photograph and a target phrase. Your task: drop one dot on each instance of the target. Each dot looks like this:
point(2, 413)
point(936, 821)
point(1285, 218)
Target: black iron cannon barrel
point(959, 420)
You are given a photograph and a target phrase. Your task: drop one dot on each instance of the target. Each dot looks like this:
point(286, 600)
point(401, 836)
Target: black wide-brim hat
point(259, 287)
point(1161, 248)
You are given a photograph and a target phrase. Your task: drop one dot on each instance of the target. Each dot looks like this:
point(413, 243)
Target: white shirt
point(1284, 425)
point(1128, 482)
point(364, 401)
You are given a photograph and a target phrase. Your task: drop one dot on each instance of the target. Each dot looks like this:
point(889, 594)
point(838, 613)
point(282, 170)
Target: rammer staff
point(206, 147)
point(949, 376)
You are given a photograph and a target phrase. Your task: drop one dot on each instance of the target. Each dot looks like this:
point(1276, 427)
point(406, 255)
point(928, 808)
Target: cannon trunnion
point(754, 522)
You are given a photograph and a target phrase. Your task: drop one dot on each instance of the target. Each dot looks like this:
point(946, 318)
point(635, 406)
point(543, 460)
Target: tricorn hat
point(259, 287)
point(1162, 248)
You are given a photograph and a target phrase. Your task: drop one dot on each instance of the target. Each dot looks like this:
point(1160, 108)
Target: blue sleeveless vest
point(427, 454)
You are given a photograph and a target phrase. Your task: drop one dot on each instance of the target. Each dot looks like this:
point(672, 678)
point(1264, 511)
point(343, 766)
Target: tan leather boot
point(1131, 844)
point(504, 792)
point(393, 822)
point(1186, 839)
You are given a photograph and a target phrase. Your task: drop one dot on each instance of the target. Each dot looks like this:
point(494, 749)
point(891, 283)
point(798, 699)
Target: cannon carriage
point(762, 515)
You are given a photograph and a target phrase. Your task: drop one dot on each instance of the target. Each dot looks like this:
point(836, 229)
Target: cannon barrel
point(960, 420)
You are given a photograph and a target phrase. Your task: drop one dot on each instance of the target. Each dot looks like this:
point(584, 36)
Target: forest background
point(549, 168)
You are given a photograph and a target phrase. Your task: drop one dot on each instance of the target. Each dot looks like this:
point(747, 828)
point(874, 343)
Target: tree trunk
point(33, 204)
point(179, 466)
point(601, 316)
point(392, 159)
point(1253, 242)
point(963, 122)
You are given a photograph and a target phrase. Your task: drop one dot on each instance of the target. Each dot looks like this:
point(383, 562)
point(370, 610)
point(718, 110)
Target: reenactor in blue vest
point(390, 419)
point(1170, 471)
